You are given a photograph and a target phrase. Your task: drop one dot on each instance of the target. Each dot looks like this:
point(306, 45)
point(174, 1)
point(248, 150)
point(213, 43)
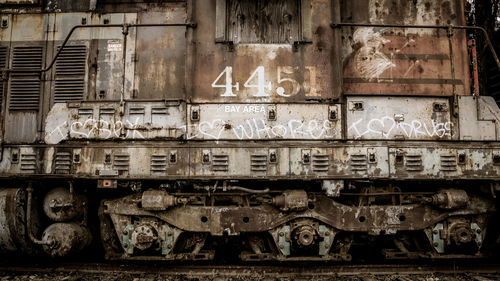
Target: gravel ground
point(80, 276)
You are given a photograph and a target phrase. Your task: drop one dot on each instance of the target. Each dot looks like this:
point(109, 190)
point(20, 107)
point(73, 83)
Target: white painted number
point(261, 82)
point(229, 82)
point(295, 85)
point(258, 80)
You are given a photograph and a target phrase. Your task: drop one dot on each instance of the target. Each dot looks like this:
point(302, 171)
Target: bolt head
point(169, 246)
point(435, 232)
point(435, 244)
point(282, 246)
point(282, 234)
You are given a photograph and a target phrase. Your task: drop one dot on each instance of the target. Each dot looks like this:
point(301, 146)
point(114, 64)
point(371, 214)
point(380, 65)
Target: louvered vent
point(220, 163)
point(3, 64)
point(158, 163)
point(62, 163)
point(69, 84)
point(137, 110)
point(121, 162)
point(320, 163)
point(105, 110)
point(258, 163)
point(25, 87)
point(359, 162)
point(414, 163)
point(159, 110)
point(28, 163)
point(448, 163)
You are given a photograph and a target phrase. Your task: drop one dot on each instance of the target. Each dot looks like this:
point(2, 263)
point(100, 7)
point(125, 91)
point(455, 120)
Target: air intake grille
point(359, 162)
point(448, 163)
point(320, 163)
point(3, 64)
point(121, 162)
point(220, 163)
point(258, 163)
point(69, 82)
point(28, 163)
point(158, 163)
point(414, 163)
point(25, 87)
point(62, 163)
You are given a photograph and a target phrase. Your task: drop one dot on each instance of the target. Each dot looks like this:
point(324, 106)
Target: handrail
point(124, 27)
point(448, 27)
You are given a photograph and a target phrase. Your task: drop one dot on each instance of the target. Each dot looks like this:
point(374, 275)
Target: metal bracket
point(437, 241)
point(479, 234)
point(126, 243)
point(326, 244)
point(283, 243)
point(167, 245)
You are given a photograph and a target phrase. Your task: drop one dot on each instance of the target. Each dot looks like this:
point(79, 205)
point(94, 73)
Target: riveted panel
point(398, 118)
point(264, 121)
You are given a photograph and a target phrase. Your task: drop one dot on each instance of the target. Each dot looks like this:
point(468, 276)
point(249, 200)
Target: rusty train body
point(267, 129)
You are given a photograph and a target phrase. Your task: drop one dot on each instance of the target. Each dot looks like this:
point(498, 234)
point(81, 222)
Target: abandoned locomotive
point(289, 129)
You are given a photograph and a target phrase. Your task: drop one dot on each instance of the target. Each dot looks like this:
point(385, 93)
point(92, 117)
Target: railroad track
point(170, 271)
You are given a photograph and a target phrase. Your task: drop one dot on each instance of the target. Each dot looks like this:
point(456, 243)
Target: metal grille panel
point(320, 162)
point(448, 163)
point(28, 163)
point(414, 163)
point(69, 84)
point(158, 163)
point(25, 87)
point(121, 162)
point(62, 163)
point(3, 64)
point(359, 162)
point(258, 163)
point(220, 163)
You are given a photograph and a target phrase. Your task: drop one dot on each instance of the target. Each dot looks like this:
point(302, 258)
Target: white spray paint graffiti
point(96, 129)
point(256, 129)
point(370, 61)
point(388, 127)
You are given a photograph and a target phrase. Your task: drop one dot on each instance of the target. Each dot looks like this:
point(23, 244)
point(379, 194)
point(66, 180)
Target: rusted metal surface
point(403, 61)
point(254, 121)
point(63, 239)
point(277, 72)
point(13, 235)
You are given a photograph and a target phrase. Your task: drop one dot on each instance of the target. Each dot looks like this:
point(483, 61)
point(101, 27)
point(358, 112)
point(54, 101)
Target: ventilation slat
point(320, 162)
point(359, 162)
point(220, 163)
point(69, 84)
point(62, 163)
point(25, 88)
point(28, 163)
point(258, 163)
point(3, 64)
point(158, 163)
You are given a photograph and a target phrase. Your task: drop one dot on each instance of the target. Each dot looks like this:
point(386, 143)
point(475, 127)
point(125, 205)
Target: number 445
point(258, 81)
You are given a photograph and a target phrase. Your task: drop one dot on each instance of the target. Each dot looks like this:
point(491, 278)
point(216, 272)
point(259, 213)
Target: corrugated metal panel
point(69, 84)
point(25, 87)
point(3, 63)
